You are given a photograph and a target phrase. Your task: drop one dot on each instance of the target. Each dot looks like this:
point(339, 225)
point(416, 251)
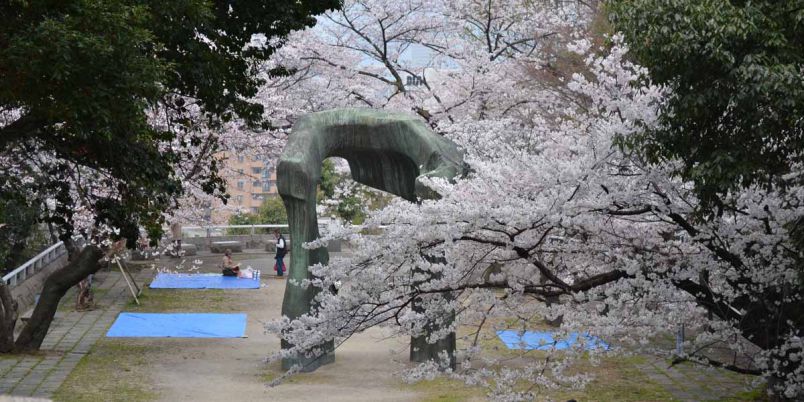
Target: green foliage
point(272, 211)
point(735, 70)
point(329, 179)
point(350, 209)
point(20, 238)
point(242, 219)
point(355, 201)
point(80, 78)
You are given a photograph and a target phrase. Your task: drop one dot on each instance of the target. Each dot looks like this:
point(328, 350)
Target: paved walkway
point(71, 336)
point(689, 382)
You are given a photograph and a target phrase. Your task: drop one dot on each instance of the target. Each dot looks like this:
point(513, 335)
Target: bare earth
point(235, 369)
point(365, 369)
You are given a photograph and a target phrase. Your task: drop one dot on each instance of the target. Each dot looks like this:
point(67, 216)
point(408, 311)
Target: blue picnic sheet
point(178, 325)
point(535, 340)
point(202, 281)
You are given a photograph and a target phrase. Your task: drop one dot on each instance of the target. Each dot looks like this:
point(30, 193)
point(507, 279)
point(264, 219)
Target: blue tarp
point(532, 340)
point(202, 281)
point(178, 325)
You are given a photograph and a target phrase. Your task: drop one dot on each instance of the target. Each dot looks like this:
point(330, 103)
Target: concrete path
point(70, 337)
point(688, 382)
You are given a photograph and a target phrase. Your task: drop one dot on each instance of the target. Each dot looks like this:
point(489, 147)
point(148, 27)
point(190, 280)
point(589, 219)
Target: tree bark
point(775, 385)
point(8, 318)
point(420, 349)
point(56, 285)
point(24, 127)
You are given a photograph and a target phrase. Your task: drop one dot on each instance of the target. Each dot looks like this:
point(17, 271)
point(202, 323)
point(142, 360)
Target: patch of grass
point(759, 394)
point(445, 390)
point(112, 371)
point(615, 379)
point(184, 300)
point(274, 371)
point(9, 356)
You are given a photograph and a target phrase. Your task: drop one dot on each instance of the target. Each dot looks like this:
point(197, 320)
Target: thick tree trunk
point(56, 285)
point(8, 318)
point(775, 386)
point(420, 349)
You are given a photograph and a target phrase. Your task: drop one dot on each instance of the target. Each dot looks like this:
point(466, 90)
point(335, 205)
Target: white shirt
point(280, 243)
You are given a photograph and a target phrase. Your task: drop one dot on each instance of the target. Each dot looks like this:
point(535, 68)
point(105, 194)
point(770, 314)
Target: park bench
point(221, 246)
point(143, 255)
point(189, 249)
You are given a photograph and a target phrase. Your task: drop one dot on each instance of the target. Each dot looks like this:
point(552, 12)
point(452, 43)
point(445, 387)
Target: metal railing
point(269, 226)
point(35, 264)
point(220, 230)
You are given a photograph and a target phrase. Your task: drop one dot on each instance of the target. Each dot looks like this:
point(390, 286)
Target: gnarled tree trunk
point(8, 318)
point(57, 284)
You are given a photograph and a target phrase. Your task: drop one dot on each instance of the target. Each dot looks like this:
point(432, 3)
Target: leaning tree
point(110, 111)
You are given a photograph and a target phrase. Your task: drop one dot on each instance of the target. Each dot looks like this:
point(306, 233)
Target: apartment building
point(249, 181)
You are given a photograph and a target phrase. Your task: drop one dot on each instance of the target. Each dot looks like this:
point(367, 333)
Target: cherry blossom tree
point(556, 220)
point(439, 60)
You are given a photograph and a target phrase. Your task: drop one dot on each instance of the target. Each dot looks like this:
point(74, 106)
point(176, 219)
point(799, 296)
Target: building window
point(239, 199)
point(257, 183)
point(240, 184)
point(241, 158)
point(414, 81)
point(256, 196)
point(266, 186)
point(256, 170)
point(240, 171)
point(255, 210)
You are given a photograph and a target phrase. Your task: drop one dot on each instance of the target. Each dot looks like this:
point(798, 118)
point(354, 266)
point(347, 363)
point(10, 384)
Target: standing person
point(281, 250)
point(85, 299)
point(175, 230)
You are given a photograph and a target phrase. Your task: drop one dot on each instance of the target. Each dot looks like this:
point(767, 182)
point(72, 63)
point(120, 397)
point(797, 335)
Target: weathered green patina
point(386, 151)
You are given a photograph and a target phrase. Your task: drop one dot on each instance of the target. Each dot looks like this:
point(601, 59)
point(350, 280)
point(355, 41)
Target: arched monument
point(386, 151)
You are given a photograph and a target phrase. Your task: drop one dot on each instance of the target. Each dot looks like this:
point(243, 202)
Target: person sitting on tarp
point(229, 266)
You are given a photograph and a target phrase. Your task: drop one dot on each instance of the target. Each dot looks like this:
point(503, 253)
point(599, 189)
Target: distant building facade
point(249, 181)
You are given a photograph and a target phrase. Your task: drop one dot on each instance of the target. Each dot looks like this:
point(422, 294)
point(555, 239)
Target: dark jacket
point(280, 252)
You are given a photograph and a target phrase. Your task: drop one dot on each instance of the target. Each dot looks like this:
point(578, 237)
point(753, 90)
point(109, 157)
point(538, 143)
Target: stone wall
point(258, 241)
point(25, 293)
point(249, 241)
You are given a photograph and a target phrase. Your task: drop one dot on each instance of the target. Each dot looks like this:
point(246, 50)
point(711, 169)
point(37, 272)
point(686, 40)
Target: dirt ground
point(366, 366)
point(236, 369)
